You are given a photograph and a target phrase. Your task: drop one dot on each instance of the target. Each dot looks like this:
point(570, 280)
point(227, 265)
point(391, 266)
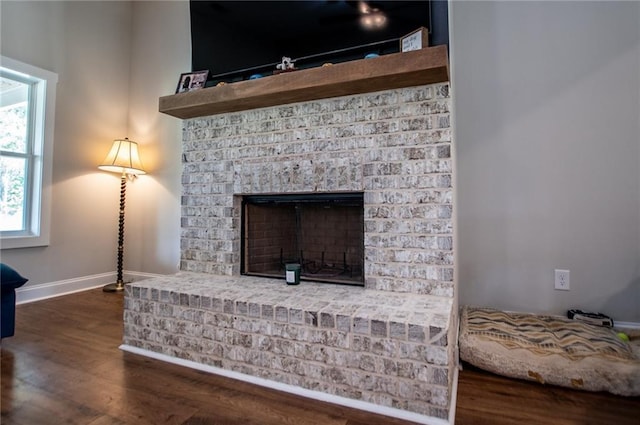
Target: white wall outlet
point(562, 280)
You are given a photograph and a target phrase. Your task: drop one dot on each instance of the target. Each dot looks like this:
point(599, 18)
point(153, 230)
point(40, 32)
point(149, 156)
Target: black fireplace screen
point(324, 233)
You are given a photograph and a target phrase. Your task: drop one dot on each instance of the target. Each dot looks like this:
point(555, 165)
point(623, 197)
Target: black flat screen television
point(235, 40)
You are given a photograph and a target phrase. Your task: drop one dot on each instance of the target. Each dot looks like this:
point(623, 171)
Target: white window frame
point(42, 132)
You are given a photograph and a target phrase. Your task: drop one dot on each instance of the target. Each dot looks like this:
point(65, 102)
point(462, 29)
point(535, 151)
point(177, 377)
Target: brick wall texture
point(393, 145)
point(388, 349)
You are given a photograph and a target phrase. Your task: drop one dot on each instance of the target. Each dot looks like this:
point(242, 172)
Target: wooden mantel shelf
point(397, 70)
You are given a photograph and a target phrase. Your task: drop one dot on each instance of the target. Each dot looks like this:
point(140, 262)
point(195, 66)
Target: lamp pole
point(119, 284)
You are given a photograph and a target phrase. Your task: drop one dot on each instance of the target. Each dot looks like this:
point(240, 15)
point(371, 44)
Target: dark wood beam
point(397, 70)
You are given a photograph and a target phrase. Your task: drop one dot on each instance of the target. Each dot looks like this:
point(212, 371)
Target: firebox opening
point(324, 233)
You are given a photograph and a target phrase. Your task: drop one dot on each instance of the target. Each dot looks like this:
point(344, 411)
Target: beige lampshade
point(123, 158)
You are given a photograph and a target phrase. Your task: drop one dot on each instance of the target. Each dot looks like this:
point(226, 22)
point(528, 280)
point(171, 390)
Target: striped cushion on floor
point(550, 350)
point(546, 335)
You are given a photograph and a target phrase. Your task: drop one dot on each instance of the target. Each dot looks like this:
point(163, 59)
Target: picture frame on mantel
point(416, 40)
point(190, 81)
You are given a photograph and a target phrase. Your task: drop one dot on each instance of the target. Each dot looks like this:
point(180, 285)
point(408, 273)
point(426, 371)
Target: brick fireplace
point(394, 146)
point(390, 343)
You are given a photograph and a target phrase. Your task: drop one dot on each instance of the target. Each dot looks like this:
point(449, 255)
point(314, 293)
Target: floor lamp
point(123, 158)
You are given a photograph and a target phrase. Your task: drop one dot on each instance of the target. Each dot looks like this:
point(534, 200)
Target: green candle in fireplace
point(292, 273)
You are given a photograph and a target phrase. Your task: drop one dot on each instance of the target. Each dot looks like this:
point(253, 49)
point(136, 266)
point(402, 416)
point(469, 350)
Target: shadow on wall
point(625, 300)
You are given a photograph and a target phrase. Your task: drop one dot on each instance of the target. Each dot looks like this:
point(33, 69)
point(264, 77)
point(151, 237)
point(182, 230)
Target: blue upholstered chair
point(9, 281)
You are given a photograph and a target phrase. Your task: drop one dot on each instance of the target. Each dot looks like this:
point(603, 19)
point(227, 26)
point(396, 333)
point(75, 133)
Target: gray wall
point(114, 60)
point(161, 46)
point(546, 98)
point(87, 45)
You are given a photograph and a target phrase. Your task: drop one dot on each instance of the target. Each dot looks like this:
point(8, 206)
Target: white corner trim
point(42, 291)
point(454, 396)
point(316, 395)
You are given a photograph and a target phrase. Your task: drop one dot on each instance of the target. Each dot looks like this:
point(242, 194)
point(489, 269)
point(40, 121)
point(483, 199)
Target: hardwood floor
point(63, 367)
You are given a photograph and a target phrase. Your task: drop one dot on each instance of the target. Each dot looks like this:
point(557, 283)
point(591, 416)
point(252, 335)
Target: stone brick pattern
point(393, 145)
point(390, 349)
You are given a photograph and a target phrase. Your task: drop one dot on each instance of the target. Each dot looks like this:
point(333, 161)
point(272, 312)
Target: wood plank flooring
point(63, 367)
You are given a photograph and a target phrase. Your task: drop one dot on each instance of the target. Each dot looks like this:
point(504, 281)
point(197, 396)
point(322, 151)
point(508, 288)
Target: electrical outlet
point(562, 280)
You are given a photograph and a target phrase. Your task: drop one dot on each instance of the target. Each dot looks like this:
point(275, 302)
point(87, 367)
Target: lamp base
point(113, 287)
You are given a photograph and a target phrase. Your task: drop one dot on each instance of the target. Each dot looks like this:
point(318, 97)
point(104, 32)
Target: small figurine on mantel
point(285, 66)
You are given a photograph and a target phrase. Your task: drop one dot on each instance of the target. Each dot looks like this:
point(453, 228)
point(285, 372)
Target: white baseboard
point(316, 395)
point(627, 325)
point(31, 293)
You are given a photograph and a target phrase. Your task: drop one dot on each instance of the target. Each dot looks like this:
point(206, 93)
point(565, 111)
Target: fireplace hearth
point(324, 233)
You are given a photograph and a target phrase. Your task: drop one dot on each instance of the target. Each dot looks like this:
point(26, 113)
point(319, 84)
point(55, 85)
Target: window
point(27, 106)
